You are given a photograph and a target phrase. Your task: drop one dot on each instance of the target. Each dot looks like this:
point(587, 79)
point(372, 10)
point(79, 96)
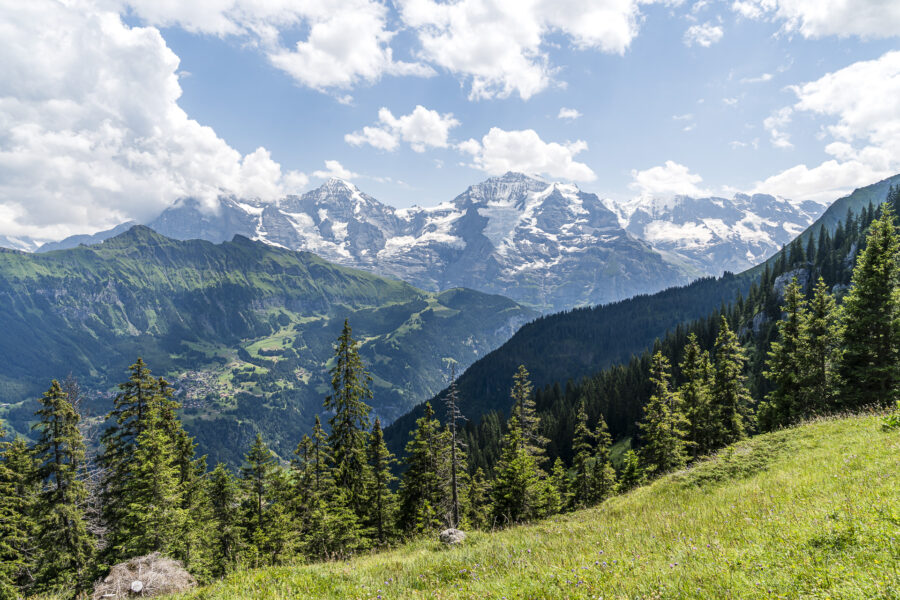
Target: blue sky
point(126, 106)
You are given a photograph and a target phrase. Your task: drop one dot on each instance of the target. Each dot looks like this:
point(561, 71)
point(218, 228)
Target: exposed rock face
point(452, 537)
point(548, 245)
point(802, 275)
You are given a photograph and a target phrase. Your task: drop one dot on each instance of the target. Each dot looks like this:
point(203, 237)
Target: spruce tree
point(695, 396)
point(478, 502)
point(224, 499)
point(66, 548)
point(819, 353)
point(456, 451)
point(560, 480)
point(525, 413)
point(632, 472)
point(603, 476)
point(871, 340)
point(17, 517)
point(350, 422)
point(730, 398)
point(381, 502)
point(582, 448)
point(664, 425)
point(423, 487)
point(265, 523)
point(784, 364)
point(518, 490)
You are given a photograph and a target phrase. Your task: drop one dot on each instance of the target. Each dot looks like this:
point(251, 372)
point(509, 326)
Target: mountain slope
point(548, 245)
point(808, 512)
point(243, 329)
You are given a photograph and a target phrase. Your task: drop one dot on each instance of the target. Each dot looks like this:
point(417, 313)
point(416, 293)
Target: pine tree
point(525, 413)
point(456, 459)
point(223, 494)
point(819, 353)
point(17, 516)
point(784, 364)
point(582, 448)
point(871, 340)
point(265, 523)
point(730, 398)
point(350, 423)
point(560, 481)
point(518, 492)
point(603, 476)
point(381, 501)
point(66, 548)
point(664, 424)
point(478, 504)
point(695, 396)
point(632, 473)
point(423, 487)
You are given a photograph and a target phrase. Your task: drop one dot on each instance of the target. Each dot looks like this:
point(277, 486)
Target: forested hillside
point(242, 330)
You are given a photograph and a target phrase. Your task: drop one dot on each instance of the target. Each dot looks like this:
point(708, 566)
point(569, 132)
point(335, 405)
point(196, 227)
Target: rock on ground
point(144, 577)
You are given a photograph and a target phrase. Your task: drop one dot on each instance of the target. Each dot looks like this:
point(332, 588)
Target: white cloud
point(421, 129)
point(818, 18)
point(334, 168)
point(704, 35)
point(524, 151)
point(864, 137)
point(669, 179)
point(775, 124)
point(568, 114)
point(761, 79)
point(91, 133)
point(346, 42)
point(730, 101)
point(498, 44)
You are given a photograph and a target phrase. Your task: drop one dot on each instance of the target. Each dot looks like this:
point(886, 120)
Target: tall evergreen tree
point(423, 488)
point(582, 448)
point(453, 417)
point(381, 501)
point(265, 522)
point(730, 398)
point(819, 353)
point(560, 480)
point(525, 413)
point(695, 396)
point(632, 472)
point(784, 364)
point(224, 499)
point(603, 477)
point(664, 424)
point(871, 339)
point(478, 503)
point(66, 548)
point(350, 422)
point(17, 517)
point(518, 490)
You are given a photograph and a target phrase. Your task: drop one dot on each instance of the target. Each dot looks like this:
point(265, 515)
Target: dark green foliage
point(65, 547)
point(518, 490)
point(265, 522)
point(525, 414)
point(664, 425)
point(582, 446)
point(603, 475)
point(785, 363)
point(559, 478)
point(695, 394)
point(730, 399)
point(380, 501)
point(17, 517)
point(423, 491)
point(871, 320)
point(478, 503)
point(820, 351)
point(632, 473)
point(226, 531)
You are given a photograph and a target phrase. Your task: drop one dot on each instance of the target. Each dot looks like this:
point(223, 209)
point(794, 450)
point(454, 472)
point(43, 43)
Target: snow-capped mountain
point(717, 234)
point(23, 244)
point(548, 245)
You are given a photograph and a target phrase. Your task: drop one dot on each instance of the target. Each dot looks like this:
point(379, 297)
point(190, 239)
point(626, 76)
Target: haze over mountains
point(550, 245)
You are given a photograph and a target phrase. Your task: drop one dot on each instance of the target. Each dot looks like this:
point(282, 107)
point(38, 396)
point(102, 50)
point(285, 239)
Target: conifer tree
point(381, 502)
point(603, 476)
point(582, 448)
point(423, 488)
point(350, 422)
point(871, 340)
point(456, 458)
point(525, 413)
point(265, 523)
point(17, 516)
point(223, 494)
point(784, 364)
point(632, 473)
point(560, 480)
point(518, 490)
point(478, 506)
point(664, 423)
point(695, 396)
point(66, 548)
point(730, 398)
point(819, 353)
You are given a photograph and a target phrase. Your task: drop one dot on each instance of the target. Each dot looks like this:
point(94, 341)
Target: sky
point(113, 109)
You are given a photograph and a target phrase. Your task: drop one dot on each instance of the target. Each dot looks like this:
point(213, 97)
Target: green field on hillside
point(810, 512)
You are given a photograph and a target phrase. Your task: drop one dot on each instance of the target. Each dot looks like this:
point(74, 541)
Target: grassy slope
point(811, 512)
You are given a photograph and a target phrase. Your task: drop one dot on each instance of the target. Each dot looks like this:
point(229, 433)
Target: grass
point(810, 512)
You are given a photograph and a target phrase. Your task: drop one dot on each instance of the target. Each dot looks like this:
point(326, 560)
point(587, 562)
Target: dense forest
point(819, 333)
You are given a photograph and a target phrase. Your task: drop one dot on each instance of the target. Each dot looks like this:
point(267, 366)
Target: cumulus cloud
point(334, 168)
point(568, 114)
point(704, 35)
point(91, 133)
point(775, 124)
point(667, 180)
point(500, 151)
point(346, 42)
point(863, 138)
point(818, 18)
point(421, 129)
point(497, 44)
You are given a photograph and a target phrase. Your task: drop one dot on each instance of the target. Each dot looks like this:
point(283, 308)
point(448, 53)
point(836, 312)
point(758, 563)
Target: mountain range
point(550, 246)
